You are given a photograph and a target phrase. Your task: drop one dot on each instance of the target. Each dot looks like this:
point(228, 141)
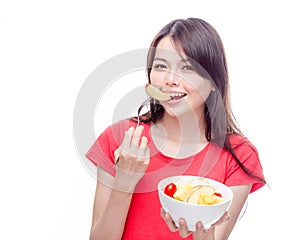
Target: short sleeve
point(249, 157)
point(101, 153)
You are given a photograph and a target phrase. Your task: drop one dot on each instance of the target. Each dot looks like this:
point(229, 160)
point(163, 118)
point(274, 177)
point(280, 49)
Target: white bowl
point(192, 213)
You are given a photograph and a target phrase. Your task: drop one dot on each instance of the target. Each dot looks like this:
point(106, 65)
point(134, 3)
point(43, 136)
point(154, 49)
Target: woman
point(194, 133)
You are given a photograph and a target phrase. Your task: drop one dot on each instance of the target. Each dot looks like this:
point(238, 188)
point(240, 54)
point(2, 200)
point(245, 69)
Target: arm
point(110, 210)
point(240, 194)
point(113, 194)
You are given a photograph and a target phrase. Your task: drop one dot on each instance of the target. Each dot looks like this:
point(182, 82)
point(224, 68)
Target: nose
point(171, 79)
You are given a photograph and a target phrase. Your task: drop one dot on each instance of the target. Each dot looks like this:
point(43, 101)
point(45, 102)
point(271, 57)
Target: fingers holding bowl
point(222, 220)
point(183, 229)
point(200, 232)
point(167, 218)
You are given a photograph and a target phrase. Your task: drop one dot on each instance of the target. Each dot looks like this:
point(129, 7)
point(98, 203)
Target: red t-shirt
point(144, 220)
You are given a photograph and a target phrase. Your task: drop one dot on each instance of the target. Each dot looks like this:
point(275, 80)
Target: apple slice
point(194, 197)
point(207, 190)
point(156, 93)
point(197, 182)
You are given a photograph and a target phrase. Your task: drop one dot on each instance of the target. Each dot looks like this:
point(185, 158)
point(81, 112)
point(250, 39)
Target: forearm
point(113, 199)
point(111, 223)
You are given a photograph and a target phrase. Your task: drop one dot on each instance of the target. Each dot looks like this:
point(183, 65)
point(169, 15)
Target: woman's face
point(173, 73)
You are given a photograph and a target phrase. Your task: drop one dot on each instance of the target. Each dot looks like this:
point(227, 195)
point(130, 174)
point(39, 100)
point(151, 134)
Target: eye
point(187, 68)
point(160, 66)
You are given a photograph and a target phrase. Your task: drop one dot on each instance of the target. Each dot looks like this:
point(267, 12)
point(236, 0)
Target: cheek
point(205, 91)
point(156, 78)
point(201, 89)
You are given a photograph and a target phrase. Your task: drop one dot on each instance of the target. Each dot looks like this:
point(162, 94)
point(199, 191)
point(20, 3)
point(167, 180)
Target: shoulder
point(237, 139)
point(242, 153)
point(244, 166)
point(241, 143)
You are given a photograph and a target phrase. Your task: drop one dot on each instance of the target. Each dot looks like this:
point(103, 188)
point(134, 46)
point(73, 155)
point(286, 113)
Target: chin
point(180, 112)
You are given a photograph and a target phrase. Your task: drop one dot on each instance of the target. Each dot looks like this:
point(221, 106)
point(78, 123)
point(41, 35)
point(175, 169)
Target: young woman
point(194, 133)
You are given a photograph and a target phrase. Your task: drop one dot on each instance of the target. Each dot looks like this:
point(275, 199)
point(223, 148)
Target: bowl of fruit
point(194, 199)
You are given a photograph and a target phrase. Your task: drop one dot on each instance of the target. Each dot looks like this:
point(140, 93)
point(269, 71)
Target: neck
point(185, 129)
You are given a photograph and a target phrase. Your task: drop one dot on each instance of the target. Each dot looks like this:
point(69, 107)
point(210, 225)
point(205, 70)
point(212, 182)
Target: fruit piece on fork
point(156, 93)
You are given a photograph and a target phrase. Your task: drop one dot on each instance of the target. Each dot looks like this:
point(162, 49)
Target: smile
point(176, 95)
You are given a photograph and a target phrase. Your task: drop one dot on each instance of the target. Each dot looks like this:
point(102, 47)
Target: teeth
point(176, 94)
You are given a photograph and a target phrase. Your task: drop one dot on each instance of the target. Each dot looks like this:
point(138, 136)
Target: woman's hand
point(199, 234)
point(131, 159)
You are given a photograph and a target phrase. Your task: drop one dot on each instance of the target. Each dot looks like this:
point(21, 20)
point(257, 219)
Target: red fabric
point(144, 221)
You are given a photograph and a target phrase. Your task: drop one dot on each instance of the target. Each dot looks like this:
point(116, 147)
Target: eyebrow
point(164, 60)
point(159, 59)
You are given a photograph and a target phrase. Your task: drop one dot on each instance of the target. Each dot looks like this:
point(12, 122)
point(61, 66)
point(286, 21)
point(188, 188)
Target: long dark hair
point(201, 43)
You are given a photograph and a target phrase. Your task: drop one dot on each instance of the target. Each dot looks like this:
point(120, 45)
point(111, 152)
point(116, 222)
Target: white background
point(49, 48)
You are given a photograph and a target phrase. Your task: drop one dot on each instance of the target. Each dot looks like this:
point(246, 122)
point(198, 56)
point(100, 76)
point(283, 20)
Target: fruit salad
point(197, 191)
